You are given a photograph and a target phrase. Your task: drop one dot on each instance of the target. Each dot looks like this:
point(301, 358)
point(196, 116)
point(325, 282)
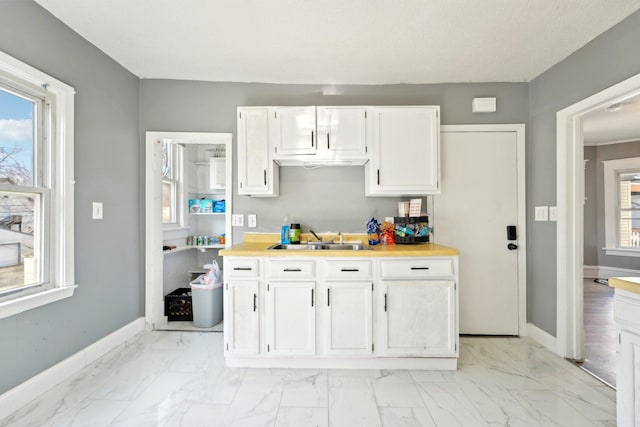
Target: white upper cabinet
point(342, 132)
point(406, 151)
point(257, 174)
point(295, 131)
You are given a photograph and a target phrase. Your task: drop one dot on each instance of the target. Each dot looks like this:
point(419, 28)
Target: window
point(622, 206)
point(171, 184)
point(36, 188)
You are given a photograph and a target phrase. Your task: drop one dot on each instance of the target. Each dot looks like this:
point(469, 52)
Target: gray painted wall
point(325, 199)
point(590, 208)
point(107, 253)
point(608, 59)
point(608, 152)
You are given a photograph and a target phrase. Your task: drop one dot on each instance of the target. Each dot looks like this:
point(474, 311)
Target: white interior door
point(479, 200)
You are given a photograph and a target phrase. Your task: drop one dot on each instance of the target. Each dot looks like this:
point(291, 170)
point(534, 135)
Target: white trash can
point(206, 303)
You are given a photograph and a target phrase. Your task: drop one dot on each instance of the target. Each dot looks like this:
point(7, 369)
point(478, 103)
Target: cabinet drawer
point(291, 268)
point(242, 267)
point(348, 269)
point(416, 268)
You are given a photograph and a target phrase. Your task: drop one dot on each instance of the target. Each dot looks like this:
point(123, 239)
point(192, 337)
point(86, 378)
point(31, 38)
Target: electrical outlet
point(553, 213)
point(96, 210)
point(252, 220)
point(237, 220)
point(542, 213)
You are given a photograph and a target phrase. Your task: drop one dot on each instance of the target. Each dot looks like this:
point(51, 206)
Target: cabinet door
point(348, 326)
point(242, 319)
point(406, 151)
point(295, 131)
point(342, 132)
point(417, 318)
point(291, 320)
point(256, 173)
point(628, 377)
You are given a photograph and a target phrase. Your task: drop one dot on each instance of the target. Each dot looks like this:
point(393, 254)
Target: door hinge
point(268, 348)
point(276, 149)
point(455, 346)
point(372, 286)
point(227, 346)
point(267, 287)
point(275, 114)
point(619, 338)
point(365, 114)
point(366, 149)
point(240, 115)
point(227, 285)
point(372, 348)
point(240, 184)
point(455, 286)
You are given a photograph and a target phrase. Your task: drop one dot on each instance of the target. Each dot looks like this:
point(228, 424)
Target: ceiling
point(613, 125)
point(340, 41)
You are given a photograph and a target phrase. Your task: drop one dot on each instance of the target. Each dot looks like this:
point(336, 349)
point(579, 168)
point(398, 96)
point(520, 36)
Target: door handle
point(385, 302)
point(512, 246)
point(254, 301)
point(265, 177)
point(311, 297)
point(328, 297)
point(327, 140)
point(312, 138)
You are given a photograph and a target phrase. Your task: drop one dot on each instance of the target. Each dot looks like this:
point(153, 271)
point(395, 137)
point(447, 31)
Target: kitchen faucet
point(315, 235)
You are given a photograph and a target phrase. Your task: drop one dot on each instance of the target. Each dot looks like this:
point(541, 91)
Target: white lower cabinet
point(347, 325)
point(290, 318)
point(417, 318)
point(376, 313)
point(242, 317)
point(626, 309)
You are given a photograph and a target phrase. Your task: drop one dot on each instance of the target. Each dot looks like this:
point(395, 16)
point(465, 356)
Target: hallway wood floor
point(599, 331)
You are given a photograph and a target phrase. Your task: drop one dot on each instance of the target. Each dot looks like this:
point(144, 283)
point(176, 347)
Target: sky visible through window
point(16, 138)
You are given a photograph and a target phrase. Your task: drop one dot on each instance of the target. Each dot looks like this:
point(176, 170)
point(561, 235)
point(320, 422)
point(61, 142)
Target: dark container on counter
point(294, 234)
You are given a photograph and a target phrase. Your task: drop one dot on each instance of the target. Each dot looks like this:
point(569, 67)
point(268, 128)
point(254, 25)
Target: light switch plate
point(252, 220)
point(96, 210)
point(542, 213)
point(237, 220)
point(553, 213)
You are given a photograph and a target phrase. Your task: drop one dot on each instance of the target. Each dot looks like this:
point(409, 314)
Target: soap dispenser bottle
point(284, 233)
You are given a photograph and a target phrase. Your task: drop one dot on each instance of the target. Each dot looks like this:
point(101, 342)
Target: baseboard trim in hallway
point(22, 394)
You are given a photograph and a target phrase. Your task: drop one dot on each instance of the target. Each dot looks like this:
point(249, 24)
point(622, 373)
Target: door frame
point(519, 130)
point(570, 226)
point(153, 272)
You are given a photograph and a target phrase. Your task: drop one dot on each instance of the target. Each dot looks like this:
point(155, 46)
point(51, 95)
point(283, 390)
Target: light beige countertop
point(256, 244)
point(631, 284)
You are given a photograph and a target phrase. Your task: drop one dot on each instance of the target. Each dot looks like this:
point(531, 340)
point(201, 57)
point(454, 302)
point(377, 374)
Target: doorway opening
point(571, 237)
point(180, 237)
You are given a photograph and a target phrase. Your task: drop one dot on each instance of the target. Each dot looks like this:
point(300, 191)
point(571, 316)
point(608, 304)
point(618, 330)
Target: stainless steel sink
point(321, 247)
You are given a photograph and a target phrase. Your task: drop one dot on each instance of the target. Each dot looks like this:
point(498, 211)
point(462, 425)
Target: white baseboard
point(543, 338)
point(22, 394)
point(604, 272)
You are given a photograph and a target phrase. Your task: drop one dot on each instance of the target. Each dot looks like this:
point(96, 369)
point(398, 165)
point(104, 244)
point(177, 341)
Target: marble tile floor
point(179, 379)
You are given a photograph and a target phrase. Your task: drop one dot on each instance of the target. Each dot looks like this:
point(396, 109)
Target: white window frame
point(60, 216)
point(611, 216)
point(179, 228)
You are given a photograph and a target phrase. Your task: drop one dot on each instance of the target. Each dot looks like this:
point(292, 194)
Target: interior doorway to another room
point(188, 204)
point(588, 136)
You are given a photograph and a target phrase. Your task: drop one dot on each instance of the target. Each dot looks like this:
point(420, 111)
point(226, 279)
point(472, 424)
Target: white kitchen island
point(393, 307)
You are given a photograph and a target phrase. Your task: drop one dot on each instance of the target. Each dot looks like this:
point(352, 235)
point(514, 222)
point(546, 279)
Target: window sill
point(175, 233)
point(20, 304)
point(622, 252)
